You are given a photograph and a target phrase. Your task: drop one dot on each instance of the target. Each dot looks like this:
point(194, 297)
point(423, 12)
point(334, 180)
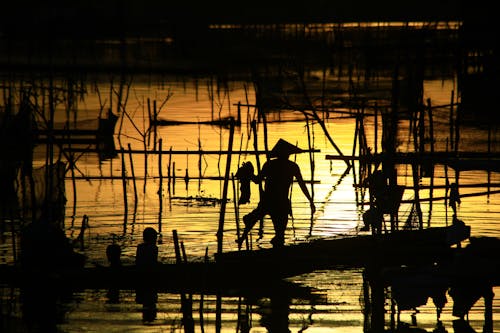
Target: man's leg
point(280, 222)
point(249, 220)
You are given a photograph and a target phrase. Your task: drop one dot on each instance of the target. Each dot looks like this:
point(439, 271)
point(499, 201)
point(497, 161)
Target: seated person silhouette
point(147, 258)
point(44, 245)
point(147, 251)
point(278, 174)
point(113, 253)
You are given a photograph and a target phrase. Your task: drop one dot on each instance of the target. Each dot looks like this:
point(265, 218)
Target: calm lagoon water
point(192, 208)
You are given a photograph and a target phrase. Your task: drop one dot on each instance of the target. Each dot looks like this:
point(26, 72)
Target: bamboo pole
point(236, 208)
point(169, 169)
point(178, 257)
point(220, 232)
point(257, 159)
point(160, 190)
point(188, 152)
point(124, 184)
point(310, 137)
point(155, 131)
point(131, 160)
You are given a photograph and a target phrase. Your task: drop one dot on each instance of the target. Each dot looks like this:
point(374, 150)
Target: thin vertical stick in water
point(160, 190)
point(173, 177)
point(447, 183)
point(169, 174)
point(220, 231)
point(311, 162)
point(73, 180)
point(178, 257)
point(124, 183)
point(431, 165)
point(186, 176)
point(236, 210)
point(457, 130)
point(151, 123)
point(257, 159)
point(183, 252)
point(375, 139)
point(200, 158)
point(131, 160)
point(451, 119)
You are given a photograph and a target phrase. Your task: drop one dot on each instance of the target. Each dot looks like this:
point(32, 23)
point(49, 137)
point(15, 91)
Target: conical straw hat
point(283, 147)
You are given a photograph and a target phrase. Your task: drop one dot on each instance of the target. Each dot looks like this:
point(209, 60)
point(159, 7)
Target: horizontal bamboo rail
point(187, 152)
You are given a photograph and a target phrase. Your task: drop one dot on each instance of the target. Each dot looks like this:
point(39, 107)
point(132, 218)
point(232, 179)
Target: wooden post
point(376, 129)
point(124, 184)
point(169, 174)
point(160, 190)
point(155, 132)
point(220, 232)
point(132, 171)
point(257, 159)
point(312, 165)
point(236, 210)
point(178, 257)
point(451, 119)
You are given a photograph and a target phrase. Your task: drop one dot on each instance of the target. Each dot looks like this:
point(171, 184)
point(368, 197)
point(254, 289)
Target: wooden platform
point(397, 248)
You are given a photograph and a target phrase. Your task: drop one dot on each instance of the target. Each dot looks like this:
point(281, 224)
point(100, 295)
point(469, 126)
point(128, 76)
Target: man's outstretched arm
point(304, 189)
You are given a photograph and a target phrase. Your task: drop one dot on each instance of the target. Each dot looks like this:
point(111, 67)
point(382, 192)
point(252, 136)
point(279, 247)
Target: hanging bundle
point(245, 175)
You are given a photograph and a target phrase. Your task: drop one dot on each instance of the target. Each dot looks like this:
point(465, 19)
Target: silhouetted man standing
point(278, 173)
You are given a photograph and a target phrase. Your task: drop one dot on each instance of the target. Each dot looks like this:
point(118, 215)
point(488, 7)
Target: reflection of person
point(275, 318)
point(278, 174)
point(113, 253)
point(147, 258)
point(454, 198)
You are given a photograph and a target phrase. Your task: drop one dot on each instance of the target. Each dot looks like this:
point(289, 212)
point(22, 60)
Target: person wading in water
point(278, 173)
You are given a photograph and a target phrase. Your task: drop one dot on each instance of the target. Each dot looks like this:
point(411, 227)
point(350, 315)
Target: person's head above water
point(284, 148)
point(149, 235)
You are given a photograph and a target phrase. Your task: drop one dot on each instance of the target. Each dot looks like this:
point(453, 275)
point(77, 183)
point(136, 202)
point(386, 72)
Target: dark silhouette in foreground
point(113, 254)
point(45, 250)
point(278, 173)
point(147, 259)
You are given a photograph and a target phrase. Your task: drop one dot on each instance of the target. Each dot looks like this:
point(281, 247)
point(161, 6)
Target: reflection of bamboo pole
point(220, 231)
point(202, 299)
point(218, 313)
